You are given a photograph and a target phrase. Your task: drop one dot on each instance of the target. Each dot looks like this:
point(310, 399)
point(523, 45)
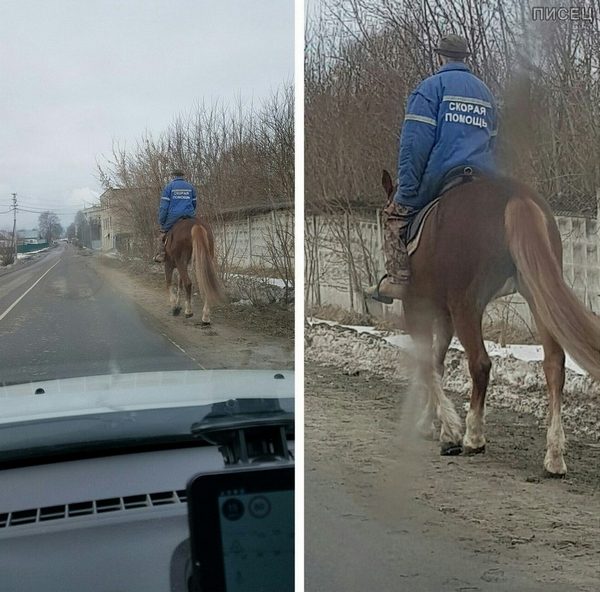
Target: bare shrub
point(279, 241)
point(7, 255)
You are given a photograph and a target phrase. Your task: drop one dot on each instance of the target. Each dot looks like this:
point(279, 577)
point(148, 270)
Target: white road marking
point(28, 290)
point(183, 351)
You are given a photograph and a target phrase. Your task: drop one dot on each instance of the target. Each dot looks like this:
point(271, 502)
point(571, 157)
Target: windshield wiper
point(248, 430)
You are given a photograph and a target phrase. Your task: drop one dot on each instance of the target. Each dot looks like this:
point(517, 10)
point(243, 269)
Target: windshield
point(146, 220)
point(78, 435)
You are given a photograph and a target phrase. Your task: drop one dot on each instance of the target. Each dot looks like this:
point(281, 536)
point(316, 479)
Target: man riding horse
point(484, 239)
point(178, 201)
point(449, 128)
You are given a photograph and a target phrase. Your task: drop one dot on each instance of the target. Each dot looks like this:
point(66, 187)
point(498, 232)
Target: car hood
point(139, 391)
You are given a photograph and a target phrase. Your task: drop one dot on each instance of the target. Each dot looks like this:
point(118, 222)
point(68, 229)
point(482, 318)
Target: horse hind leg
point(554, 370)
point(429, 379)
point(174, 298)
point(179, 290)
point(468, 329)
point(172, 288)
point(446, 412)
point(187, 285)
point(441, 341)
point(425, 424)
point(420, 328)
point(206, 308)
point(451, 425)
point(206, 321)
point(206, 313)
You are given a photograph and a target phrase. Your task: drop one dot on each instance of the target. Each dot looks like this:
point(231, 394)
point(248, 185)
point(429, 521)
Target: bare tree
point(364, 57)
point(71, 231)
point(49, 226)
point(82, 229)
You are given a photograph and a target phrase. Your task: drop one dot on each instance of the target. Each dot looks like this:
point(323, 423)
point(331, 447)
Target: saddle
point(455, 177)
point(169, 234)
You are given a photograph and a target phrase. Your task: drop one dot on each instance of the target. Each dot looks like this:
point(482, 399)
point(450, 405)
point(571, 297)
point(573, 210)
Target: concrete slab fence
point(343, 255)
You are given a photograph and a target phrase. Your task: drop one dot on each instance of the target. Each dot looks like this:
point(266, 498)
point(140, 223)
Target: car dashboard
point(108, 524)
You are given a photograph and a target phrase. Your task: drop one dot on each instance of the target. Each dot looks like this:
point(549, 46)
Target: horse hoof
point(468, 451)
point(549, 475)
point(555, 467)
point(205, 324)
point(189, 314)
point(450, 448)
point(175, 311)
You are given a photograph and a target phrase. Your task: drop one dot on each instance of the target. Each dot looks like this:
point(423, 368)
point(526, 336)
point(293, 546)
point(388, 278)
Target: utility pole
point(14, 206)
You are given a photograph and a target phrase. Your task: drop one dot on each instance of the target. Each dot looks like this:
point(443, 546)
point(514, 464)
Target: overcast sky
point(76, 76)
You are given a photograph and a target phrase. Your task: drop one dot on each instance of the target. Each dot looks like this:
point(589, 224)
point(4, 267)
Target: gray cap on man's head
point(453, 46)
point(177, 173)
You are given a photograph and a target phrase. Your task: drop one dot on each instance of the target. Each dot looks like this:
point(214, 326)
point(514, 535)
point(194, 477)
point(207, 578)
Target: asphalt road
point(384, 512)
point(58, 319)
point(350, 548)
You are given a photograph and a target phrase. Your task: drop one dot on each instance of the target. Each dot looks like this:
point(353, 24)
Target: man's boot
point(394, 284)
point(160, 254)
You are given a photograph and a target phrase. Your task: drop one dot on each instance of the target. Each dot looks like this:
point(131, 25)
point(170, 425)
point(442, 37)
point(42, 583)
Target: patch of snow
point(30, 253)
point(271, 281)
point(516, 383)
point(243, 303)
point(527, 353)
point(401, 340)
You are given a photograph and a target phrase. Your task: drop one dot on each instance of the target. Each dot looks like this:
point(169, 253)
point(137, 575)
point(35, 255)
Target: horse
point(487, 238)
point(192, 238)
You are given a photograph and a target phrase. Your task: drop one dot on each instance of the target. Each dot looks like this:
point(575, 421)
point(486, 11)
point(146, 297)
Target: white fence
point(264, 241)
point(344, 255)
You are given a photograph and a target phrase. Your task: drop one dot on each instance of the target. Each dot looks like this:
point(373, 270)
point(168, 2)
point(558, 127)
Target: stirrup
point(378, 297)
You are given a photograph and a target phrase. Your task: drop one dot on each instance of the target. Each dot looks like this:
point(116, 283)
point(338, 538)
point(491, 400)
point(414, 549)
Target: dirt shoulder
point(241, 336)
point(497, 506)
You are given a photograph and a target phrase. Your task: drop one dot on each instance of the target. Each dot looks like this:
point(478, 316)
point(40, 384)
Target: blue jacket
point(450, 121)
point(178, 200)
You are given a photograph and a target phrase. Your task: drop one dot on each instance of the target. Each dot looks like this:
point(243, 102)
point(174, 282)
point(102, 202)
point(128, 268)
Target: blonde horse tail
point(204, 265)
point(540, 269)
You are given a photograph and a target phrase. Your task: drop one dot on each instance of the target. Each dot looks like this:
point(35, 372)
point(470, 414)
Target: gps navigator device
point(242, 529)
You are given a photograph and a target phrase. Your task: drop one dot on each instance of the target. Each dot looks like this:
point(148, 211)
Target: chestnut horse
point(191, 238)
point(488, 238)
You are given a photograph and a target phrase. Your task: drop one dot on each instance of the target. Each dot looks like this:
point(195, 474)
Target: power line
point(34, 206)
point(31, 207)
point(59, 212)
